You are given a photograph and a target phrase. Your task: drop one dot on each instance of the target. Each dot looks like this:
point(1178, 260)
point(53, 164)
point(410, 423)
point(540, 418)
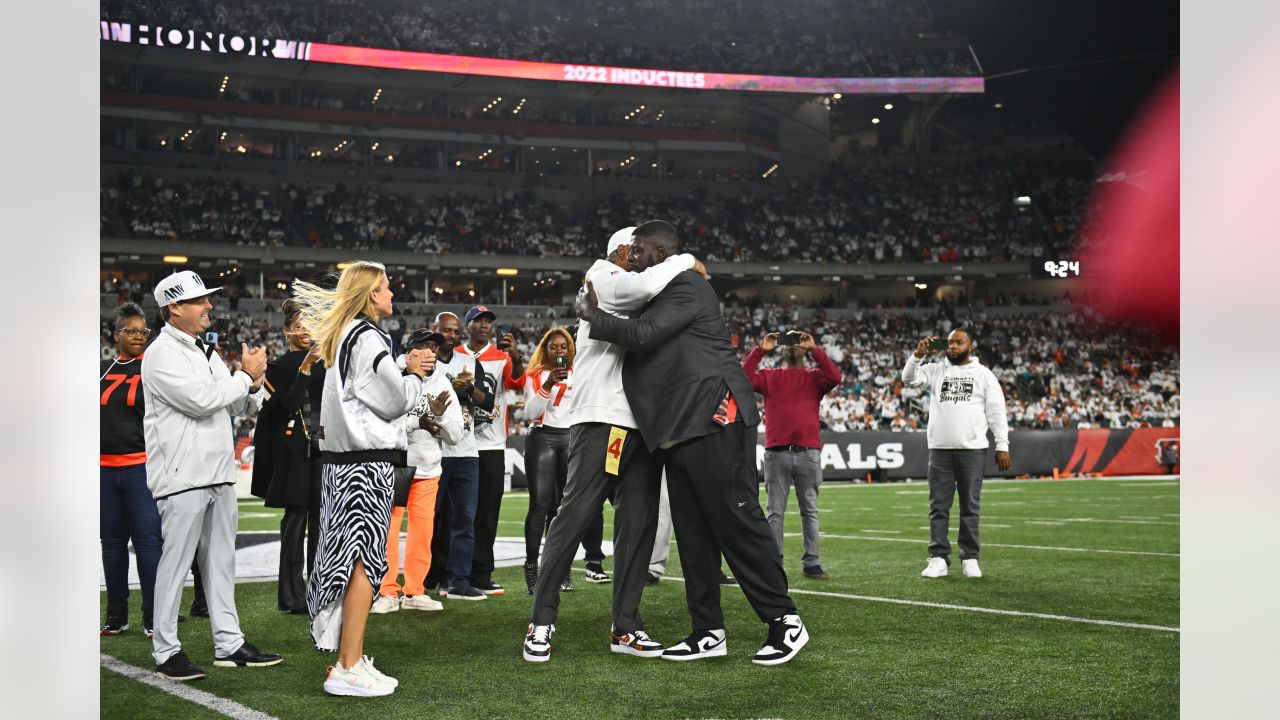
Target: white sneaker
point(356, 682)
point(420, 602)
point(971, 568)
point(385, 604)
point(381, 676)
point(936, 568)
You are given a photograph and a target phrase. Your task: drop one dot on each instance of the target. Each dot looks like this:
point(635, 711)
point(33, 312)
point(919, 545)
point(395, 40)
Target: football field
point(1077, 616)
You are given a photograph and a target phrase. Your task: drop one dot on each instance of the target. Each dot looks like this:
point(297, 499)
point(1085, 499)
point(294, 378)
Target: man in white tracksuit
point(965, 400)
point(191, 470)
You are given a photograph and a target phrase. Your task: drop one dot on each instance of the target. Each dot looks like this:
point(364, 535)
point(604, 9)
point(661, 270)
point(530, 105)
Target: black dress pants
point(715, 504)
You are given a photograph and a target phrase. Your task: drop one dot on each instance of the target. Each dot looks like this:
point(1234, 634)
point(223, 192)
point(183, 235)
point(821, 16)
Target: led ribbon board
point(258, 46)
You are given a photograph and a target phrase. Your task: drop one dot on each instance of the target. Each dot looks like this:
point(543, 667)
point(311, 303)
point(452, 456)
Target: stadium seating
point(876, 212)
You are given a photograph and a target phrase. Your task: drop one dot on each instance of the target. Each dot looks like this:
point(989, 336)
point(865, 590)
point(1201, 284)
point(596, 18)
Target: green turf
point(866, 659)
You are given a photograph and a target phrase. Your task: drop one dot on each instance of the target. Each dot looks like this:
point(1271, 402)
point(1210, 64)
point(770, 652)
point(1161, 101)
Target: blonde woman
point(365, 400)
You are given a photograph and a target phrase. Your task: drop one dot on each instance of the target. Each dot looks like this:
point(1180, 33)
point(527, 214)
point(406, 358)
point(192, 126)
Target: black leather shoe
point(179, 667)
point(248, 656)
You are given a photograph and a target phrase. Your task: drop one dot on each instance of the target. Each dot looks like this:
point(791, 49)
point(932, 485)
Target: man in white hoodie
point(965, 400)
point(190, 396)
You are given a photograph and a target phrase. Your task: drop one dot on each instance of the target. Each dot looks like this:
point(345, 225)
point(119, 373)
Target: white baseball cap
point(622, 237)
point(185, 285)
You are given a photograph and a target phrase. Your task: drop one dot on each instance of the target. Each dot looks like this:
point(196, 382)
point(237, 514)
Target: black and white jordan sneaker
point(787, 635)
point(701, 644)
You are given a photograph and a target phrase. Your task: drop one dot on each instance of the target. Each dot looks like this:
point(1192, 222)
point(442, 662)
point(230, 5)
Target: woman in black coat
point(286, 469)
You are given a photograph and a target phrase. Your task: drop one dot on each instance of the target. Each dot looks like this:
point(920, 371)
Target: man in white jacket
point(190, 397)
point(965, 400)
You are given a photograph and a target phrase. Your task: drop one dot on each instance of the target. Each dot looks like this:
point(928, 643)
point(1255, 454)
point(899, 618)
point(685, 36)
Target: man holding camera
point(792, 445)
point(503, 370)
point(965, 400)
point(190, 396)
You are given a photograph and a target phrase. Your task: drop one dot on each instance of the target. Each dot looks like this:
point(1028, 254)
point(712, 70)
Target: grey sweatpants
point(203, 518)
point(947, 470)
point(782, 469)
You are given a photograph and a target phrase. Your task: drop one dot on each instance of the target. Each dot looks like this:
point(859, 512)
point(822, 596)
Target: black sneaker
point(464, 592)
point(117, 619)
point(727, 580)
point(248, 656)
point(596, 573)
point(531, 576)
point(700, 644)
point(787, 635)
point(489, 587)
point(179, 667)
point(651, 580)
point(567, 584)
point(815, 572)
point(148, 628)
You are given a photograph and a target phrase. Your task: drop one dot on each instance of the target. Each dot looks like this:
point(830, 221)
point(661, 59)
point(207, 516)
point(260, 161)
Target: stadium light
point(1022, 200)
point(875, 121)
point(888, 106)
point(922, 286)
point(175, 259)
point(343, 265)
point(837, 96)
point(508, 271)
point(998, 105)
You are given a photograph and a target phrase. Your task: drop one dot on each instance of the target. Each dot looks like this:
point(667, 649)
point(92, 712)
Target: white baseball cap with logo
point(622, 237)
point(185, 285)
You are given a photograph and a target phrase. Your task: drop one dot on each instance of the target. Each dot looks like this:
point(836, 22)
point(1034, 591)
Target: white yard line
point(1001, 545)
point(890, 532)
point(220, 705)
point(1088, 520)
point(970, 608)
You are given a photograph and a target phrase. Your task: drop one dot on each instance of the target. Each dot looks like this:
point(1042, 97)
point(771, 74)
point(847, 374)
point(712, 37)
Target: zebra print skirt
point(355, 515)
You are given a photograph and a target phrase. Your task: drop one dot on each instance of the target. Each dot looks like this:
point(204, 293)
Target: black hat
point(423, 335)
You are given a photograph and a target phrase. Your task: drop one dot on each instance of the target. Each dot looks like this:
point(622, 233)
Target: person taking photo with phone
point(792, 444)
point(965, 401)
point(548, 392)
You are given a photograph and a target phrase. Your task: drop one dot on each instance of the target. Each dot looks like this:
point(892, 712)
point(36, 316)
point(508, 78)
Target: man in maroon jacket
point(792, 444)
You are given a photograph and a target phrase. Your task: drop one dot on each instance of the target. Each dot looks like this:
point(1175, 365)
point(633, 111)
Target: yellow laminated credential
point(613, 454)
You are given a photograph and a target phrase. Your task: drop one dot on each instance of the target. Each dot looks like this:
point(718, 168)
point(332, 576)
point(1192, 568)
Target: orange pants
point(417, 547)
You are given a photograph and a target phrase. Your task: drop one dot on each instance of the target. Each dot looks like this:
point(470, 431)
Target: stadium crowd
point(876, 213)
point(1057, 369)
point(822, 39)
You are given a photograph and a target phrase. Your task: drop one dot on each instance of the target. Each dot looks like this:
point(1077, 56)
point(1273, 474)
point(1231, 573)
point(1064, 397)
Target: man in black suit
point(696, 411)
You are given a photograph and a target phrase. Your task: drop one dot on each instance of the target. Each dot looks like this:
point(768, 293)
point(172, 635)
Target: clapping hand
point(439, 403)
